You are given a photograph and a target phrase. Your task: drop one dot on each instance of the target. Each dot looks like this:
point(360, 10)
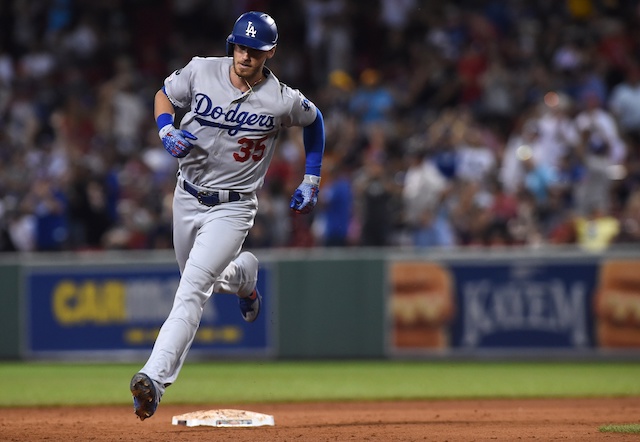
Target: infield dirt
point(445, 420)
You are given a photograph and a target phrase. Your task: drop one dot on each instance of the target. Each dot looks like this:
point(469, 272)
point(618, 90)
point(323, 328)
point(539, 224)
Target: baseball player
point(225, 142)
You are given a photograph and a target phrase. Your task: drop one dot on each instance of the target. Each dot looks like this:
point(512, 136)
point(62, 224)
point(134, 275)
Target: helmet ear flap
point(229, 48)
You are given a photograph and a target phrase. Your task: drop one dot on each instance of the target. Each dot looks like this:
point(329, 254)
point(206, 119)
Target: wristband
point(163, 120)
point(165, 130)
point(311, 179)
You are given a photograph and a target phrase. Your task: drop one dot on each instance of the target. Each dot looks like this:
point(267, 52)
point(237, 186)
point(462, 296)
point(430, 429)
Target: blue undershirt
point(314, 140)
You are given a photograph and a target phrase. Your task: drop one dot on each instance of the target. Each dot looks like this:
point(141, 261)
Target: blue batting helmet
point(255, 30)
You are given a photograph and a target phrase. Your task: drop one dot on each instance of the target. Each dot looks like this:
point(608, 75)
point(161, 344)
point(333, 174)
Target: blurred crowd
point(484, 123)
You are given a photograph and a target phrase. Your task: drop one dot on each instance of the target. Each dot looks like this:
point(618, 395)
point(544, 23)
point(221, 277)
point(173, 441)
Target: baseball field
point(331, 401)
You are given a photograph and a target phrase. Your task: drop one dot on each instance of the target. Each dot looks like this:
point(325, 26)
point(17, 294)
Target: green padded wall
point(10, 313)
point(330, 308)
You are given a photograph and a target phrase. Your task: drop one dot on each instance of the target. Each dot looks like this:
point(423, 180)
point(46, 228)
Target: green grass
point(621, 428)
point(23, 384)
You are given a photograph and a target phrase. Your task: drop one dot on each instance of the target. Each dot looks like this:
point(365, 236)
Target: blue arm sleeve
point(313, 138)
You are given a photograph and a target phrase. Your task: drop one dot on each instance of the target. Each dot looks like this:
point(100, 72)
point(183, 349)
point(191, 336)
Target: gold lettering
point(64, 300)
point(89, 302)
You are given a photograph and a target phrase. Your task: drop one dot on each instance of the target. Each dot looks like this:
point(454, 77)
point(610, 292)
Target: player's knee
point(247, 258)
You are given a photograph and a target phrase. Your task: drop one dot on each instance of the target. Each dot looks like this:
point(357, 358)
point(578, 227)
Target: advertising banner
point(517, 304)
point(617, 304)
point(120, 308)
point(524, 305)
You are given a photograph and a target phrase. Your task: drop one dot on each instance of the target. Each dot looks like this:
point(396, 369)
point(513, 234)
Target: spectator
point(337, 206)
point(49, 204)
point(538, 179)
point(89, 217)
point(624, 103)
point(375, 191)
point(630, 221)
point(504, 206)
point(396, 14)
point(498, 100)
point(21, 123)
point(511, 167)
point(475, 160)
point(595, 231)
point(600, 148)
point(557, 132)
point(322, 17)
point(372, 103)
point(470, 216)
point(123, 110)
point(21, 231)
point(471, 67)
point(423, 194)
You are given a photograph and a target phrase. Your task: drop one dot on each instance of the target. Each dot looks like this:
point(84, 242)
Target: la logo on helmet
point(251, 31)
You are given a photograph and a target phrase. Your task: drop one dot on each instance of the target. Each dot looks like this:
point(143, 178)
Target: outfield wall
point(333, 303)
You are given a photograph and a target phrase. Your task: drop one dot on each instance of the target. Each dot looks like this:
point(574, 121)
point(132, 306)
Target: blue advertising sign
point(524, 304)
point(495, 305)
point(115, 308)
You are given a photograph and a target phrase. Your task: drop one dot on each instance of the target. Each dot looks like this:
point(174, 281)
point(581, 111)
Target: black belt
point(209, 198)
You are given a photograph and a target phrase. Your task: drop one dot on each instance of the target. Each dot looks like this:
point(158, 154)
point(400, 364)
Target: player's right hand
point(176, 141)
point(305, 197)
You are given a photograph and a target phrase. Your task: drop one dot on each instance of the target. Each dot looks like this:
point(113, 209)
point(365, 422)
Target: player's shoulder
point(207, 66)
point(287, 92)
point(198, 59)
point(292, 95)
point(288, 98)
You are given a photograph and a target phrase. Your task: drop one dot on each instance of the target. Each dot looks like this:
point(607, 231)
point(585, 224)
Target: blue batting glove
point(305, 197)
point(176, 141)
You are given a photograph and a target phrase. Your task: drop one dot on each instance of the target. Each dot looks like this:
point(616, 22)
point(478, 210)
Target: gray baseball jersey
point(236, 131)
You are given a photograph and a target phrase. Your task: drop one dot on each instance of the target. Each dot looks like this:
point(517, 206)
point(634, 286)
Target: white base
point(223, 418)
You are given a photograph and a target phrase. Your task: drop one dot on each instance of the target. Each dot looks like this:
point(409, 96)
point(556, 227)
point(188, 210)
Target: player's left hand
point(305, 198)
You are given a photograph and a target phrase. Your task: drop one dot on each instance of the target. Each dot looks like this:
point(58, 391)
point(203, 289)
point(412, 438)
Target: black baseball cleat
point(250, 306)
point(145, 395)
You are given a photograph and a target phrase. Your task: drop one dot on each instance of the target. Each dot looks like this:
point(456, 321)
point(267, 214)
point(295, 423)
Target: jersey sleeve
point(177, 86)
point(302, 112)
